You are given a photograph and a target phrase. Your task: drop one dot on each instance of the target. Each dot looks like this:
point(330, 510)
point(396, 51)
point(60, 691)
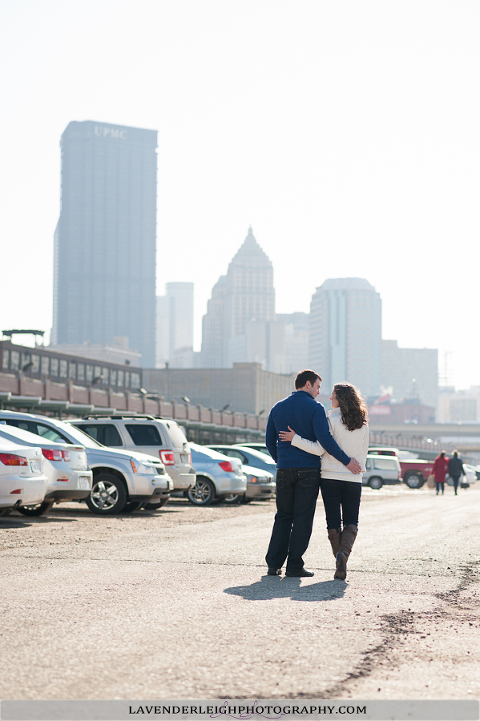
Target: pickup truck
point(414, 472)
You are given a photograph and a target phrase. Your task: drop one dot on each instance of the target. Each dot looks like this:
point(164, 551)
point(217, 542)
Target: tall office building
point(410, 373)
point(174, 324)
point(180, 301)
point(105, 241)
point(346, 333)
point(242, 302)
point(288, 343)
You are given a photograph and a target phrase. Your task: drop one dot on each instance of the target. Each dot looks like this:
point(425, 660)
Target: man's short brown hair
point(304, 376)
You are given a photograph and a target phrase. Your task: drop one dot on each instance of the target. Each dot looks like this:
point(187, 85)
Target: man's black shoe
point(274, 572)
point(303, 573)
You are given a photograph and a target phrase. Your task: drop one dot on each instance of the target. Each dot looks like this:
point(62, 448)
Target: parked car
point(256, 447)
point(249, 457)
point(260, 485)
point(216, 477)
point(64, 464)
point(157, 437)
point(21, 477)
point(122, 480)
point(470, 474)
point(381, 470)
point(466, 480)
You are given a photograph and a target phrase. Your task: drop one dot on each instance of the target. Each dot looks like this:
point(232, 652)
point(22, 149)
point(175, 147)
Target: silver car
point(261, 485)
point(122, 480)
point(64, 464)
point(158, 437)
point(249, 457)
point(21, 477)
point(217, 477)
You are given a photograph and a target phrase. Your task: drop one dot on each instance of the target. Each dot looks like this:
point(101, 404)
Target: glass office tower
point(105, 241)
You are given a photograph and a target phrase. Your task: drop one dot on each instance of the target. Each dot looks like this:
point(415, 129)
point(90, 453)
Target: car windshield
point(25, 436)
point(258, 455)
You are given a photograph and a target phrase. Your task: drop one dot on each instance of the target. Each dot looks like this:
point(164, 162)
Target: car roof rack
point(120, 416)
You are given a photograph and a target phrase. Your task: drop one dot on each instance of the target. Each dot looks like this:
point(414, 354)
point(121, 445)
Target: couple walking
point(298, 432)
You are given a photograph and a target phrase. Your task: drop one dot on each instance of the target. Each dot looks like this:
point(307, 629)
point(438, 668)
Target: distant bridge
point(430, 437)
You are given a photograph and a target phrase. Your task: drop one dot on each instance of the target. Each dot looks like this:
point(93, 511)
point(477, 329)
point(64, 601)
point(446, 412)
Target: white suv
point(381, 470)
point(157, 437)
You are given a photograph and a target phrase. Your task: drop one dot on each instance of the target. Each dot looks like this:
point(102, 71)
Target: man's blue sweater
point(301, 412)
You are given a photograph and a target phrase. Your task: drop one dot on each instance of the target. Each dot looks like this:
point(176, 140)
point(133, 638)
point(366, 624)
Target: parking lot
point(175, 604)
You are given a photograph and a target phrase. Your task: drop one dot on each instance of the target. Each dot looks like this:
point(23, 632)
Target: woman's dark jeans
point(455, 483)
point(297, 493)
point(440, 485)
point(341, 498)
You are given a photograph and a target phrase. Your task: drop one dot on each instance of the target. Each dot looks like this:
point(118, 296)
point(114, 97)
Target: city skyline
point(373, 175)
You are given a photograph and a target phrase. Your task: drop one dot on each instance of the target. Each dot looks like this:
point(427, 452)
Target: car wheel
point(108, 495)
point(132, 506)
point(375, 482)
point(156, 506)
point(202, 493)
point(414, 480)
point(38, 510)
point(233, 498)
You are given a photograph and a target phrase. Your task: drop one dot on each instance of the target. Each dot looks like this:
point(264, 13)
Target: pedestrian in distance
point(455, 469)
point(298, 473)
point(341, 489)
point(439, 470)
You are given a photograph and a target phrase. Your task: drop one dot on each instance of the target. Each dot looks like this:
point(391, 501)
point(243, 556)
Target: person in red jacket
point(440, 470)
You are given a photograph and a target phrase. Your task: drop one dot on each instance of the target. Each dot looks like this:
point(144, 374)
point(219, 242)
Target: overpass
point(430, 437)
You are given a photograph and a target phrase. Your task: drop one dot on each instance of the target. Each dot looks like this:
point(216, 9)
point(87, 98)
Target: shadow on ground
point(277, 587)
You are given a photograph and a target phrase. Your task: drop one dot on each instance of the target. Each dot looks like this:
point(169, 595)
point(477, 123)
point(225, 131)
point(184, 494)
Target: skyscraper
point(105, 241)
point(410, 373)
point(180, 297)
point(242, 302)
point(174, 322)
point(346, 333)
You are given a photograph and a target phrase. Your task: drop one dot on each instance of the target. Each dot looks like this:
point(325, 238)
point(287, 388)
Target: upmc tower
point(105, 241)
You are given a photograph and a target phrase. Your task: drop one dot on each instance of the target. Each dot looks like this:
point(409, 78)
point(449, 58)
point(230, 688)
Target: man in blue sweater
point(298, 473)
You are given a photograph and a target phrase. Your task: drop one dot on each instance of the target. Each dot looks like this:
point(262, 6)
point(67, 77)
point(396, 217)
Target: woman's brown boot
point(334, 538)
point(347, 539)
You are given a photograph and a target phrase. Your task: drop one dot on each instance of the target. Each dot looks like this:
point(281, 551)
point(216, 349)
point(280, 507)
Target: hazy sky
point(346, 133)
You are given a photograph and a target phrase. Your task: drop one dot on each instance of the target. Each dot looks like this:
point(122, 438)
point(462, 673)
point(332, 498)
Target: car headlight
point(145, 468)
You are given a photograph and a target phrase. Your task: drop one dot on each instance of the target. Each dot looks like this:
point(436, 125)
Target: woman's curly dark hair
point(352, 406)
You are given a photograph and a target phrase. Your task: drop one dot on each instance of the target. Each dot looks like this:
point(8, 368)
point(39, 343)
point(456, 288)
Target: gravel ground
point(175, 604)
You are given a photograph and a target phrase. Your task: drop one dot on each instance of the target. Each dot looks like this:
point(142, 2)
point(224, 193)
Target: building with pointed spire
point(235, 326)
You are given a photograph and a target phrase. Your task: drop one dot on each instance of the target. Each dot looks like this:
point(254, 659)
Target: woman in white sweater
point(341, 490)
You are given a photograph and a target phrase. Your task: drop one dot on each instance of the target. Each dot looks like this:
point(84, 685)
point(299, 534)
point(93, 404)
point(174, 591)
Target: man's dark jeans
point(297, 493)
point(341, 498)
